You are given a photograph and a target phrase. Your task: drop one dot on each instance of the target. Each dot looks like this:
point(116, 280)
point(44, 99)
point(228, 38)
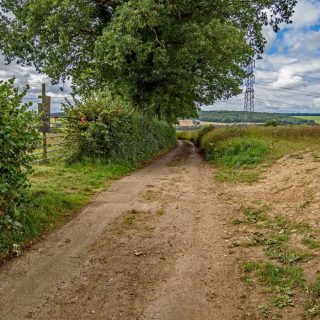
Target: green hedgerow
point(18, 138)
point(106, 126)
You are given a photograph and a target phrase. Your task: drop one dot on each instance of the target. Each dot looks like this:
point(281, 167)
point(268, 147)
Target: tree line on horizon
point(257, 117)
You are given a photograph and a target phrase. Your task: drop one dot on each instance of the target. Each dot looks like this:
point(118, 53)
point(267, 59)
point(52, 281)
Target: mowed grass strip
point(58, 190)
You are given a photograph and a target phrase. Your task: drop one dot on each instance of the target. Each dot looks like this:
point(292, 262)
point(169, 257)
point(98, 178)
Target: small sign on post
point(44, 109)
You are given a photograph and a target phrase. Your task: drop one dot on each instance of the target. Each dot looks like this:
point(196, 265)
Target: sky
point(287, 78)
point(28, 75)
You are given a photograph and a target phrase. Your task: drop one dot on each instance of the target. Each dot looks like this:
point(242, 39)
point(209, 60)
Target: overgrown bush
point(273, 123)
point(18, 138)
point(108, 127)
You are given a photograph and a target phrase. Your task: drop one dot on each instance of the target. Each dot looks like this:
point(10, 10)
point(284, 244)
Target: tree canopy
point(167, 56)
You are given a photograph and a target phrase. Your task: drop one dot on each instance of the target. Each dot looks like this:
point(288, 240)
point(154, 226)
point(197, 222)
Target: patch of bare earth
point(290, 189)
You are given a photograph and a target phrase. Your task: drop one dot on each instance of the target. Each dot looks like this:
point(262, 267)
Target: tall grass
point(188, 135)
point(238, 150)
point(280, 132)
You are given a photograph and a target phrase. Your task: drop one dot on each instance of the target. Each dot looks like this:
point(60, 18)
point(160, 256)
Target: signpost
point(44, 109)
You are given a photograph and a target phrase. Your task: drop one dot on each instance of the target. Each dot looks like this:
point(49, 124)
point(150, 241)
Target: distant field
point(57, 122)
point(189, 123)
point(314, 118)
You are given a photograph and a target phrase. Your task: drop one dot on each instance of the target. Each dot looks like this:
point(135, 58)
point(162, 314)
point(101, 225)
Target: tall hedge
point(108, 127)
point(18, 138)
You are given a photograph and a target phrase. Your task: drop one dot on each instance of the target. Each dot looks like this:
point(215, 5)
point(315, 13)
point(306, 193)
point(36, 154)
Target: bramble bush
point(18, 138)
point(103, 126)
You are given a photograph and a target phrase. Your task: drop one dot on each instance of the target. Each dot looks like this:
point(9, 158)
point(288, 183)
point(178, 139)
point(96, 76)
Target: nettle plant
point(18, 138)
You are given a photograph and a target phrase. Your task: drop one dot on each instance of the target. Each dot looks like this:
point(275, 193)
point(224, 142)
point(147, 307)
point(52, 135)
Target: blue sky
point(294, 56)
point(287, 79)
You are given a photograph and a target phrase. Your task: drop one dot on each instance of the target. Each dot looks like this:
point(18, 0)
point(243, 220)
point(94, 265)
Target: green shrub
point(230, 150)
point(18, 138)
point(273, 123)
point(210, 138)
point(237, 152)
point(108, 127)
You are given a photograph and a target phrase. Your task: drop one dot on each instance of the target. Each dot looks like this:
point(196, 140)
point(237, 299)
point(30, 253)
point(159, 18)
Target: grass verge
point(58, 190)
point(242, 154)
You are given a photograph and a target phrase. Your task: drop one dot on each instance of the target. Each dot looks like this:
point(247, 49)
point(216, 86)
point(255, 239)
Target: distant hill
point(257, 117)
point(303, 114)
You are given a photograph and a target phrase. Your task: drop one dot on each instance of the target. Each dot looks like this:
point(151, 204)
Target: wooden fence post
point(44, 109)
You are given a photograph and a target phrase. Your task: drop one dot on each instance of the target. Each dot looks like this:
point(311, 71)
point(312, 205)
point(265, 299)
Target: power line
point(274, 101)
point(228, 101)
point(282, 103)
point(293, 74)
point(306, 93)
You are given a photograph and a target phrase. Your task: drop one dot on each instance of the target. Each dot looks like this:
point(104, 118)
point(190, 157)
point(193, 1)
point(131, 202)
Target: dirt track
point(170, 263)
point(160, 245)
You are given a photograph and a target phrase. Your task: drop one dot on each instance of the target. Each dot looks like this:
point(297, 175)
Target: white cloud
point(287, 80)
point(316, 102)
point(300, 42)
point(28, 75)
point(269, 35)
point(306, 14)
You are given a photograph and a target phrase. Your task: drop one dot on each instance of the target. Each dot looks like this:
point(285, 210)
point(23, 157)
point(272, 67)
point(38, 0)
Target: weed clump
point(281, 280)
point(311, 243)
point(130, 216)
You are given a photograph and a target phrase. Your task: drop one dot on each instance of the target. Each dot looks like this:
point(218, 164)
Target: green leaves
point(18, 137)
point(166, 57)
point(112, 129)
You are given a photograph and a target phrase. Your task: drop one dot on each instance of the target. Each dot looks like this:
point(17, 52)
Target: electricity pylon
point(249, 94)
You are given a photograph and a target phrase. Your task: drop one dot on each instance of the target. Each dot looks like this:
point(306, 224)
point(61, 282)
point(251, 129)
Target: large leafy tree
point(167, 56)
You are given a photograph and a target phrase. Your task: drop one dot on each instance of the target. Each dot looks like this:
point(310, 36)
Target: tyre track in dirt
point(172, 262)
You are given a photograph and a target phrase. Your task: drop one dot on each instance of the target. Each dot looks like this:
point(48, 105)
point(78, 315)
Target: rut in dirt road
point(152, 247)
